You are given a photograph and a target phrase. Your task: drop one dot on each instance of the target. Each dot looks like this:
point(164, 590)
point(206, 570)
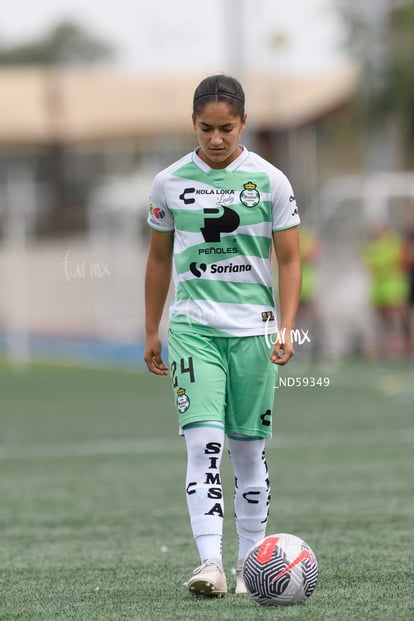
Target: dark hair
point(219, 88)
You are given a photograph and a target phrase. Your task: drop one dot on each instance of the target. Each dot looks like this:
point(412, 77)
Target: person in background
point(308, 315)
point(383, 257)
point(408, 265)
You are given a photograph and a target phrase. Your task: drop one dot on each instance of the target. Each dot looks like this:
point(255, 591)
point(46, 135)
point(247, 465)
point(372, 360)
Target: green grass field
point(93, 515)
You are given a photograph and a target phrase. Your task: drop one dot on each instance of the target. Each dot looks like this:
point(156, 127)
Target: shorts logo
point(250, 195)
point(183, 401)
point(156, 212)
point(266, 418)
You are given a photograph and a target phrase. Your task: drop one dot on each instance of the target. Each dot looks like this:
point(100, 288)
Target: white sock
point(205, 442)
point(252, 491)
point(209, 547)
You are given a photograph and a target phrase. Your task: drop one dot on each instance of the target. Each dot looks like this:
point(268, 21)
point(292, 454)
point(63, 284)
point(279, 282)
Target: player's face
point(218, 130)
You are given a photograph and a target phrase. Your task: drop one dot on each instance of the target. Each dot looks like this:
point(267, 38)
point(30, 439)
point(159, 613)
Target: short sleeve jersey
point(223, 220)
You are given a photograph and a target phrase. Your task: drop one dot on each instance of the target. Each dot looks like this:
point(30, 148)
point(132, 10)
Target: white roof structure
point(38, 105)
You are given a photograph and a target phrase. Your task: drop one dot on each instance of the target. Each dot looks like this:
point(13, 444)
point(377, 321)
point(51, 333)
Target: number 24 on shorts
point(186, 366)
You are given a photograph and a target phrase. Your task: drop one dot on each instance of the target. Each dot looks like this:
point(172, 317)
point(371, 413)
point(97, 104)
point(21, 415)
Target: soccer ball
point(280, 569)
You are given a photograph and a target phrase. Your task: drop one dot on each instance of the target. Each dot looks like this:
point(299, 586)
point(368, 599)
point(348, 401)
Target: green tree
point(65, 44)
point(398, 97)
point(381, 38)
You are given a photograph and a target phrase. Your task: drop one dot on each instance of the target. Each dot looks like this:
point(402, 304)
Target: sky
point(298, 36)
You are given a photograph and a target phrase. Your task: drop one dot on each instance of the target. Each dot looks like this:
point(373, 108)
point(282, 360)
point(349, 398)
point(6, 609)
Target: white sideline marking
point(147, 446)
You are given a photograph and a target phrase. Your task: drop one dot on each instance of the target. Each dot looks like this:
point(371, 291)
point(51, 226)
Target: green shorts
point(230, 380)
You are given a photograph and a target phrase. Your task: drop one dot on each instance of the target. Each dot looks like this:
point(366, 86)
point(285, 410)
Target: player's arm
point(286, 244)
point(157, 282)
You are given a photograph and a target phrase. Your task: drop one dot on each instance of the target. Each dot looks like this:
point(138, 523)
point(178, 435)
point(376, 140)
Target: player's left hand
point(282, 353)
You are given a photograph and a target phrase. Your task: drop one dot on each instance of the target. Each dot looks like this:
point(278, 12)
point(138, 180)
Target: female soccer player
point(214, 215)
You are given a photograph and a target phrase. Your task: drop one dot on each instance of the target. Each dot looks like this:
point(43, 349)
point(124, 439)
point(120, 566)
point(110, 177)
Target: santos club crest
point(250, 195)
point(183, 401)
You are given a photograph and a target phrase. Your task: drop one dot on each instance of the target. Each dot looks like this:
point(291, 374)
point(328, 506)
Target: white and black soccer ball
point(280, 569)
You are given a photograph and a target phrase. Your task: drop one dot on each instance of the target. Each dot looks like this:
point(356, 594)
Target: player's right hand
point(152, 356)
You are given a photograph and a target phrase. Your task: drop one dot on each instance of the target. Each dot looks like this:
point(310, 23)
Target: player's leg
point(199, 379)
point(248, 424)
point(251, 495)
point(205, 442)
point(251, 386)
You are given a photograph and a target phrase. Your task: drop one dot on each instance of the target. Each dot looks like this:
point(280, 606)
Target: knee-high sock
point(252, 490)
point(205, 442)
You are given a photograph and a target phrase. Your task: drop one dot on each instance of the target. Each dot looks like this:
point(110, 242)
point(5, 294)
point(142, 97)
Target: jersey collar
point(230, 168)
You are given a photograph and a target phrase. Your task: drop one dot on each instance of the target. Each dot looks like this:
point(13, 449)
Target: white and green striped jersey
point(223, 221)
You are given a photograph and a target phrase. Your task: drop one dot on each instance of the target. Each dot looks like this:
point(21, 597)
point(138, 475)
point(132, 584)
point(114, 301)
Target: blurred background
point(95, 98)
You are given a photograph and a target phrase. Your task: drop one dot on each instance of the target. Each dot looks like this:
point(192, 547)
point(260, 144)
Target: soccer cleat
point(241, 588)
point(208, 580)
